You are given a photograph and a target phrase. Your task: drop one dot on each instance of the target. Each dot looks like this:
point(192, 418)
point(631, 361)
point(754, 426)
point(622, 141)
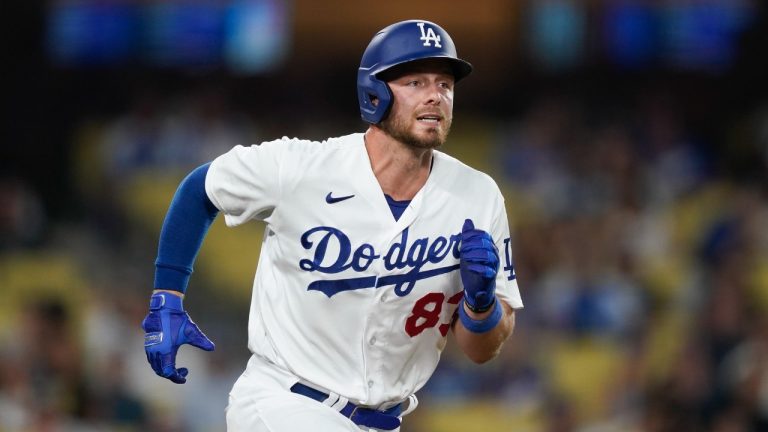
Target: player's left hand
point(167, 327)
point(478, 264)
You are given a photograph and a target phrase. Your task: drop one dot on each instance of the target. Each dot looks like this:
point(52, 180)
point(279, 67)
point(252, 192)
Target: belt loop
point(331, 399)
point(340, 403)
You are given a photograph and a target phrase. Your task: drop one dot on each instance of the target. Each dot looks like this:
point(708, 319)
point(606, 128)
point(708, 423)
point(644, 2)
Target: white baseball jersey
point(345, 296)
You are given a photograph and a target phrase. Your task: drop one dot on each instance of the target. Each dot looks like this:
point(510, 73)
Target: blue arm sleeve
point(190, 215)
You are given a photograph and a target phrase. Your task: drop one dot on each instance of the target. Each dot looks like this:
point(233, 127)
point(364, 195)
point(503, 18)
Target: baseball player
point(377, 245)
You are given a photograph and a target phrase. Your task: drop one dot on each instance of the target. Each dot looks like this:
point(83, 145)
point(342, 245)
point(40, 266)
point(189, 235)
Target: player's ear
point(374, 101)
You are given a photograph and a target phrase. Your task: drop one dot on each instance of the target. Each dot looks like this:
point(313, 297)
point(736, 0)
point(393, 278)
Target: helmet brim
point(460, 68)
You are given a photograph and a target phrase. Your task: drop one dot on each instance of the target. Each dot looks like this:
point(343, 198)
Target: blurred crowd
point(640, 250)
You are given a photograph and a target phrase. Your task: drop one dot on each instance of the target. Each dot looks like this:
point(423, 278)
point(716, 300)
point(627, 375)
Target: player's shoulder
point(299, 145)
point(295, 150)
point(463, 175)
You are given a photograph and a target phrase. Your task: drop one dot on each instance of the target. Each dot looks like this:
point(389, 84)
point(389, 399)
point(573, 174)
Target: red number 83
point(426, 313)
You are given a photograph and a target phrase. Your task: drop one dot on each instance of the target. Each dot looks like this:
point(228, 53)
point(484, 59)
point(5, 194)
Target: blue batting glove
point(478, 265)
point(167, 327)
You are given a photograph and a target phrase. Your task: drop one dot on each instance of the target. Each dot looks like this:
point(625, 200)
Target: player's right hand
point(167, 327)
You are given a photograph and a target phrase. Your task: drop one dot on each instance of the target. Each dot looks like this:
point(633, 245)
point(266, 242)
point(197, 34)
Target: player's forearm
point(482, 347)
point(184, 228)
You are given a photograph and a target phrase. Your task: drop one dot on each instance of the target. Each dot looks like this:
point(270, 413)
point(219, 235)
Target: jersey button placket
point(376, 346)
point(371, 352)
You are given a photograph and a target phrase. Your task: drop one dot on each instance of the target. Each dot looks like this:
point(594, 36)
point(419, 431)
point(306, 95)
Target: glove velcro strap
point(165, 300)
point(484, 325)
point(478, 309)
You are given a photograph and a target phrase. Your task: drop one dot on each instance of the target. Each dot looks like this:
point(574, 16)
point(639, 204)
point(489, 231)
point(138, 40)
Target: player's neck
point(401, 170)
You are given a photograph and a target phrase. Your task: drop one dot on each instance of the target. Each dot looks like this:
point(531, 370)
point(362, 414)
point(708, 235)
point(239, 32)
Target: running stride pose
point(377, 245)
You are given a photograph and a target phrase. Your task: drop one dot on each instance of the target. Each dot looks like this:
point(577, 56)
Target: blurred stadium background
point(630, 138)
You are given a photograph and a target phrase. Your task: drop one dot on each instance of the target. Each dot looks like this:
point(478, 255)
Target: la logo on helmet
point(429, 36)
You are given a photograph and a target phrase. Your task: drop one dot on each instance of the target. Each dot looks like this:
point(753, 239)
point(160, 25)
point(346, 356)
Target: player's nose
point(434, 95)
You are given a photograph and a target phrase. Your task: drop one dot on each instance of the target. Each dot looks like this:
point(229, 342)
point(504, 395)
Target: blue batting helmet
point(400, 43)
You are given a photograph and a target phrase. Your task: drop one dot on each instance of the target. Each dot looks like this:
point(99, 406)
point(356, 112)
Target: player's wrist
point(166, 299)
point(169, 291)
point(477, 314)
point(481, 305)
point(480, 323)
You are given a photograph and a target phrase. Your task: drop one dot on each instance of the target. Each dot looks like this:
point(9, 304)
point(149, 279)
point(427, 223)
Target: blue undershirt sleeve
point(188, 219)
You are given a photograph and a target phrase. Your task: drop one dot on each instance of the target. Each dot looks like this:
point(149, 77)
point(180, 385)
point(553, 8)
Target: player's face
point(422, 109)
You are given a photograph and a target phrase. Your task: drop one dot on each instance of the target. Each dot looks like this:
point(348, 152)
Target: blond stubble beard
point(399, 130)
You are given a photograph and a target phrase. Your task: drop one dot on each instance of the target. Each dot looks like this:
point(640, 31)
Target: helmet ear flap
point(371, 87)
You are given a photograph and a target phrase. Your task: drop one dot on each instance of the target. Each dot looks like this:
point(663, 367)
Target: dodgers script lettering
point(402, 254)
